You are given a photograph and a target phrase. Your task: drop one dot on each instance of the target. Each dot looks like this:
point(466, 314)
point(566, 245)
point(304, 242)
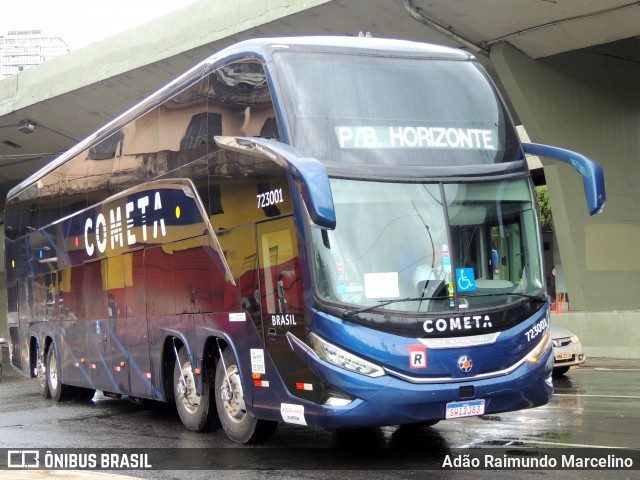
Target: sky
point(81, 22)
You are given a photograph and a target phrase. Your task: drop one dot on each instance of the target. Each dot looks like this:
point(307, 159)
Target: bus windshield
point(394, 111)
point(445, 247)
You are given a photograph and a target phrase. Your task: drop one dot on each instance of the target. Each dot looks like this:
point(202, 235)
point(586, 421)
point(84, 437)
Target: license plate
point(465, 409)
point(563, 356)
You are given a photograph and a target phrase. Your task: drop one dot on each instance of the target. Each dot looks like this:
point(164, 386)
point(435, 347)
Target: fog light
point(334, 401)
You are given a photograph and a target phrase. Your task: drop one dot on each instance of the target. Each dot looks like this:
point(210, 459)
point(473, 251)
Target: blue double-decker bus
point(323, 231)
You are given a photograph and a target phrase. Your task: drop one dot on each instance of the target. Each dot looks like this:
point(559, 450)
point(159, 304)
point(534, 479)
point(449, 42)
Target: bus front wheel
point(238, 423)
point(193, 408)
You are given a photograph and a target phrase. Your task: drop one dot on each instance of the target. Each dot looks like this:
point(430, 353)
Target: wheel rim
point(189, 398)
point(41, 373)
point(53, 371)
point(232, 395)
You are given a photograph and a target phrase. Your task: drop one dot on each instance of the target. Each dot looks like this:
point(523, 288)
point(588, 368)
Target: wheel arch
point(207, 356)
point(37, 348)
point(174, 339)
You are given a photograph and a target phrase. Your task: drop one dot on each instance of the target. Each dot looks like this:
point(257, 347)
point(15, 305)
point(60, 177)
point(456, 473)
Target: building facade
point(23, 49)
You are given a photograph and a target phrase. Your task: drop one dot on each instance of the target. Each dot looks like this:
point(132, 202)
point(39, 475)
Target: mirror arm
point(592, 174)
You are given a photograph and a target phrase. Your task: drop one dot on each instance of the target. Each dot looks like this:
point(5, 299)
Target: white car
point(567, 350)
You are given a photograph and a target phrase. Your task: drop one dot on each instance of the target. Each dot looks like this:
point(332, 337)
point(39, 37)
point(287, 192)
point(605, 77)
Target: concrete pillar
point(4, 330)
point(588, 101)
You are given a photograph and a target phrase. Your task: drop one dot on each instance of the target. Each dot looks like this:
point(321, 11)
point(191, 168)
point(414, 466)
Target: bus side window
point(40, 297)
point(202, 128)
point(70, 182)
point(19, 218)
point(136, 159)
point(270, 129)
point(107, 148)
point(12, 299)
point(25, 297)
point(240, 93)
point(70, 293)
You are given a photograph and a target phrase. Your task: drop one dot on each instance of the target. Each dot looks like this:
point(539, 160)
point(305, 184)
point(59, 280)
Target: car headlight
point(343, 359)
point(539, 350)
point(575, 339)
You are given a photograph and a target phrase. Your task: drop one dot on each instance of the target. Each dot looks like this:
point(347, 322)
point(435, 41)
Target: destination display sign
point(433, 137)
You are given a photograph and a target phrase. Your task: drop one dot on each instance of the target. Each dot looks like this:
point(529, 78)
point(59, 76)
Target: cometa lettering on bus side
point(113, 233)
point(457, 324)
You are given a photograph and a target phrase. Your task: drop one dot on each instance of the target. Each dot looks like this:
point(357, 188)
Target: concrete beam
point(199, 25)
point(588, 102)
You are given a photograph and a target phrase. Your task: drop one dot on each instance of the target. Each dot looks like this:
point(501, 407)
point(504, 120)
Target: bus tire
point(59, 391)
point(194, 409)
point(43, 383)
point(237, 421)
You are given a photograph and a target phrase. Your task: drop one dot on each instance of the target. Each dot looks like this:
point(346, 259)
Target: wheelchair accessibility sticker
point(465, 279)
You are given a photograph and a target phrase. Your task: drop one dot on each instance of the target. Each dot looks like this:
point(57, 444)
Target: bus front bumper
point(389, 400)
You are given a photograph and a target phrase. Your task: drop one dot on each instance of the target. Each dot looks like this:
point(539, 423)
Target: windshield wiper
point(382, 303)
point(507, 294)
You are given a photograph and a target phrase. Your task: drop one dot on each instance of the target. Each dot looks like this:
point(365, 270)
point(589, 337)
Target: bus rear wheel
point(58, 390)
point(41, 375)
point(238, 423)
point(194, 409)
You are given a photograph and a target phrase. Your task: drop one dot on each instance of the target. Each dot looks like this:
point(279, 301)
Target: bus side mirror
point(307, 171)
point(592, 174)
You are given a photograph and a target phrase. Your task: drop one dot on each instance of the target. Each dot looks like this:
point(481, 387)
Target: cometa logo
point(120, 227)
point(465, 364)
point(453, 324)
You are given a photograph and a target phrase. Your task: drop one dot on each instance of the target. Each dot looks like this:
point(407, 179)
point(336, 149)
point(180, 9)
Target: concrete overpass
point(570, 69)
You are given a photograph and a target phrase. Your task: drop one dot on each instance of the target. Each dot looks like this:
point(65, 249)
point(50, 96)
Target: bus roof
point(266, 46)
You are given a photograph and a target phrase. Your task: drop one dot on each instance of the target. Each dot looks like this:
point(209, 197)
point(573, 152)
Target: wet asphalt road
point(594, 406)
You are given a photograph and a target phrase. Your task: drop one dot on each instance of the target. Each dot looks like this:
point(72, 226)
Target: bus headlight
point(343, 359)
point(539, 350)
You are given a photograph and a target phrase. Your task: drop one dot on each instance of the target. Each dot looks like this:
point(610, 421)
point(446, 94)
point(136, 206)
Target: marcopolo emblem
point(465, 364)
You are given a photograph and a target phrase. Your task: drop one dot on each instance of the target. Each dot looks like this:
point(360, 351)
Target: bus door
point(282, 298)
